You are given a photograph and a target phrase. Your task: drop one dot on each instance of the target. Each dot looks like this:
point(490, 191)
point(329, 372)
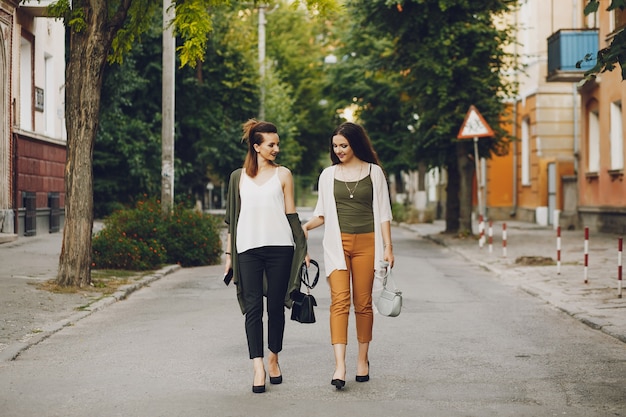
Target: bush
point(191, 238)
point(404, 213)
point(399, 212)
point(112, 249)
point(142, 238)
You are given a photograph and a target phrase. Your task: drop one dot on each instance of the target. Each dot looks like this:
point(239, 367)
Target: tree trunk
point(88, 51)
point(466, 176)
point(452, 196)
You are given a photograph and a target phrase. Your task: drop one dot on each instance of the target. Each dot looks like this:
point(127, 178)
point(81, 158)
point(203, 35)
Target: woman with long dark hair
point(353, 204)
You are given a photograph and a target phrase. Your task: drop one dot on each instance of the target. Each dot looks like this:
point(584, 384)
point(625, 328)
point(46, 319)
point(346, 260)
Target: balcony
point(565, 48)
point(36, 8)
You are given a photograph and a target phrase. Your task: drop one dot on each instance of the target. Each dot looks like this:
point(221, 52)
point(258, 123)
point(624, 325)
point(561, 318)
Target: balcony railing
point(568, 46)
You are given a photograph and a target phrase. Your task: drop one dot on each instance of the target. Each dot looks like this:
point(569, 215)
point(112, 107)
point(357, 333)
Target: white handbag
point(389, 303)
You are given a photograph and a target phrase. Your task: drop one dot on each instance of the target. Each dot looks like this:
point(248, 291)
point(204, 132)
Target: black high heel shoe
point(258, 389)
point(277, 379)
point(364, 378)
point(338, 383)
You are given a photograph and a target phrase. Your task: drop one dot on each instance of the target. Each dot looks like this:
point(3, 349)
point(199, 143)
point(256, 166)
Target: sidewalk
point(29, 315)
point(529, 248)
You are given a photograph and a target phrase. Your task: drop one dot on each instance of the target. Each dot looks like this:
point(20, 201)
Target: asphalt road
point(465, 344)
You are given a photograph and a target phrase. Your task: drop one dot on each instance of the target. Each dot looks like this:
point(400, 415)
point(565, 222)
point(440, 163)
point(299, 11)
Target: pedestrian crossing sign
point(474, 126)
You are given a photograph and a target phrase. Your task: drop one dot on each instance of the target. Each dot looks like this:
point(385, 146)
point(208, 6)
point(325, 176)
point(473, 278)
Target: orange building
point(601, 186)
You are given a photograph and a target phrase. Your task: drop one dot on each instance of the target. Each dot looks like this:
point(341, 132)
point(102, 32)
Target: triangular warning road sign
point(474, 126)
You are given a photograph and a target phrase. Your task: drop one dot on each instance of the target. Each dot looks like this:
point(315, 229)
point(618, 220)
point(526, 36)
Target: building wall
point(546, 113)
point(36, 126)
point(601, 186)
point(7, 11)
point(499, 178)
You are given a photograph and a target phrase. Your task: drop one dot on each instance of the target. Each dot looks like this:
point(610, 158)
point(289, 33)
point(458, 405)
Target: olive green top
point(355, 205)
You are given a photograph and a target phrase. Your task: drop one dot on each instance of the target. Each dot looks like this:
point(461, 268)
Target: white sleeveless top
point(262, 220)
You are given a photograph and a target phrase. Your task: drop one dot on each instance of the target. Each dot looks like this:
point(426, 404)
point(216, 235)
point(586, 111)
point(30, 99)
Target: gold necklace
point(357, 181)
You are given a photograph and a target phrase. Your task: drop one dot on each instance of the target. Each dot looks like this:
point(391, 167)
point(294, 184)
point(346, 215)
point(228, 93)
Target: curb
point(12, 351)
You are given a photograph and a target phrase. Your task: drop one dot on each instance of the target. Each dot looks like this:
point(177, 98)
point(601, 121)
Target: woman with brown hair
point(265, 245)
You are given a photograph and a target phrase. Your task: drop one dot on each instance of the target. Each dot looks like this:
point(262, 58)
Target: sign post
point(474, 126)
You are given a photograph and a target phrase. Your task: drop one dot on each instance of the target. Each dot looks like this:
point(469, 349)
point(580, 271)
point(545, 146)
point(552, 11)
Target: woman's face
point(269, 148)
point(342, 148)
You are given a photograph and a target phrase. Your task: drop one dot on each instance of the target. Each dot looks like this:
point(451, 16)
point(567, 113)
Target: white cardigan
point(327, 208)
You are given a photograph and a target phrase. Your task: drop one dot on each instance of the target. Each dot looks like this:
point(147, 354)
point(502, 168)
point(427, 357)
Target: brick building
point(32, 126)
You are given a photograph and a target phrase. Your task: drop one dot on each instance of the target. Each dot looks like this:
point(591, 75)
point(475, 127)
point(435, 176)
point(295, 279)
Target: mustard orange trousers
point(358, 250)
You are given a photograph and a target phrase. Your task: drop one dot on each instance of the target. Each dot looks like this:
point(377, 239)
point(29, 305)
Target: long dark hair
point(359, 142)
point(253, 134)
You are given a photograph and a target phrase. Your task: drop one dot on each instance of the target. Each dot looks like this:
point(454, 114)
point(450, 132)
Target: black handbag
point(302, 308)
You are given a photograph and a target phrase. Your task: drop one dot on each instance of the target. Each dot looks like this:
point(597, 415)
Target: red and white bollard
point(504, 240)
point(619, 268)
point(558, 250)
point(481, 231)
point(586, 251)
point(490, 236)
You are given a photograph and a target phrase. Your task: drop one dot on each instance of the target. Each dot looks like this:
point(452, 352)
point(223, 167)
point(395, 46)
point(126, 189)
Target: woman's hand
point(307, 260)
point(316, 221)
point(228, 264)
point(388, 256)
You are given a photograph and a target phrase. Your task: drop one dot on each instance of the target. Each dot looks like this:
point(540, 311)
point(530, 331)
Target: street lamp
point(210, 188)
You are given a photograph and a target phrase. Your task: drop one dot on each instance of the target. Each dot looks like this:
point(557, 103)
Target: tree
point(102, 31)
point(614, 54)
point(362, 79)
point(297, 43)
point(213, 100)
point(450, 55)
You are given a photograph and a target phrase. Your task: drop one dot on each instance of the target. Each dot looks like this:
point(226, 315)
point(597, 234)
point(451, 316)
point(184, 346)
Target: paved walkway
point(29, 314)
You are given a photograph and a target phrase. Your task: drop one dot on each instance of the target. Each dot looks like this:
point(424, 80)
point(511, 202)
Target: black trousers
point(275, 263)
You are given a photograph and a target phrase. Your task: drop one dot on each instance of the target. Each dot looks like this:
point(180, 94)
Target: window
point(591, 20)
point(525, 152)
point(617, 137)
point(593, 147)
point(26, 84)
point(48, 97)
point(619, 19)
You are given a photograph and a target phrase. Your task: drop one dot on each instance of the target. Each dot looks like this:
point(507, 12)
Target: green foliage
point(191, 238)
point(143, 238)
point(130, 239)
point(279, 108)
point(297, 42)
point(72, 17)
point(412, 68)
point(127, 152)
point(399, 212)
point(362, 79)
point(213, 101)
point(193, 24)
point(415, 67)
point(140, 16)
